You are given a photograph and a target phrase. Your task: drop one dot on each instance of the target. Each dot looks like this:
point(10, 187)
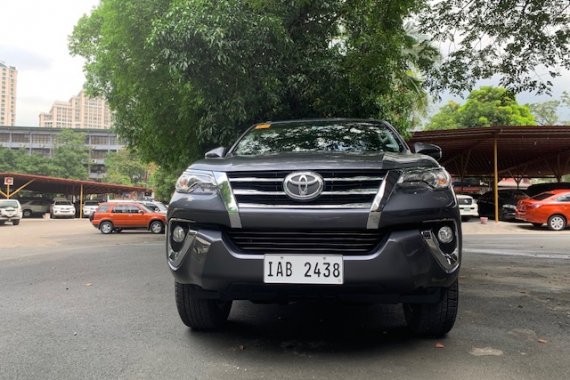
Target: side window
point(103, 208)
point(133, 209)
point(119, 209)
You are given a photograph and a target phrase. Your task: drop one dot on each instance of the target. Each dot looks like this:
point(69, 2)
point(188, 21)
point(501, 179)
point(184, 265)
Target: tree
point(485, 107)
point(126, 168)
point(70, 155)
point(183, 76)
point(545, 113)
point(445, 118)
point(525, 43)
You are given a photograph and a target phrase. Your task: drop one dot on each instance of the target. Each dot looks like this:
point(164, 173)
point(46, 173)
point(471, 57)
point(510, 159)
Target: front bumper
point(406, 263)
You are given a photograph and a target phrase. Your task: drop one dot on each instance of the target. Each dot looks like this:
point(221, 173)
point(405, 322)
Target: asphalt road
point(78, 304)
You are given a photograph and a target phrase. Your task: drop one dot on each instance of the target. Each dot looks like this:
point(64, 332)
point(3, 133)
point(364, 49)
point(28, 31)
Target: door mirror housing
point(219, 152)
point(431, 150)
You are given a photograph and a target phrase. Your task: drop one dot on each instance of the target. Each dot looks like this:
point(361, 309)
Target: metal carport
point(502, 151)
point(56, 185)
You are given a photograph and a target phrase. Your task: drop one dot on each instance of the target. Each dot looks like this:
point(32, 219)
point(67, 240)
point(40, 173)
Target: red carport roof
point(523, 151)
point(66, 186)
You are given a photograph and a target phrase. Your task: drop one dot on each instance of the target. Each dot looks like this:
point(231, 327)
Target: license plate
point(303, 269)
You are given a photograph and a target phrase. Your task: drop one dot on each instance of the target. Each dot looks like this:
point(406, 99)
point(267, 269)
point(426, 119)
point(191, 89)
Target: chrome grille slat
point(342, 189)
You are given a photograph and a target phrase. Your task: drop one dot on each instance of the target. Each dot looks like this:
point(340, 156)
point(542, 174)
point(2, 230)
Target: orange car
point(117, 216)
point(552, 208)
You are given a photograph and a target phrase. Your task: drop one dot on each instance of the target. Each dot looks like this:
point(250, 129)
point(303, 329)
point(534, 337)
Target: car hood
point(316, 161)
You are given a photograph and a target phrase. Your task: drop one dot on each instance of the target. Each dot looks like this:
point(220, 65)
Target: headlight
point(437, 178)
point(196, 182)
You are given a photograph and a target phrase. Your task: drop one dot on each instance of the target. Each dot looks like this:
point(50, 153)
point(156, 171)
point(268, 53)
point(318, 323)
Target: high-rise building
point(8, 81)
point(80, 112)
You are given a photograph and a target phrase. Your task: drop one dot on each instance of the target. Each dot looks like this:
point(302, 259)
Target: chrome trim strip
point(257, 192)
point(256, 179)
point(348, 179)
point(449, 262)
point(384, 192)
point(305, 207)
point(225, 190)
point(348, 192)
point(330, 179)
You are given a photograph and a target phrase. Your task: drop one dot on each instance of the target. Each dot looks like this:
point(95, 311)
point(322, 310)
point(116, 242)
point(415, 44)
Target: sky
point(34, 36)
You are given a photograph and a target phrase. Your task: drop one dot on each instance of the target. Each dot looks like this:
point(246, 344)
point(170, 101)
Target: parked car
point(552, 208)
point(62, 209)
point(155, 206)
point(117, 216)
point(331, 208)
point(35, 207)
point(89, 207)
point(10, 211)
point(467, 207)
point(508, 199)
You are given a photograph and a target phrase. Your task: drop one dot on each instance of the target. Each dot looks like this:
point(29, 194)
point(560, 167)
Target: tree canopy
point(484, 107)
point(522, 43)
point(185, 75)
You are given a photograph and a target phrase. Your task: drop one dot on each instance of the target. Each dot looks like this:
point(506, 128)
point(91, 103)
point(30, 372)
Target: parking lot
point(75, 303)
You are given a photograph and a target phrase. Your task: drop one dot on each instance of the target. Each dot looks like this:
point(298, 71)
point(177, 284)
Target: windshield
point(313, 136)
point(8, 203)
point(63, 203)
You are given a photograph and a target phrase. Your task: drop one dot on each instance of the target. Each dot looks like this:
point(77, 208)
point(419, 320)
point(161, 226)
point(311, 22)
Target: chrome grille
point(305, 242)
point(342, 189)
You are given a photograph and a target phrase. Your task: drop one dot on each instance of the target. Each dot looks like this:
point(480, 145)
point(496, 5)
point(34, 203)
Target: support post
point(496, 179)
point(81, 202)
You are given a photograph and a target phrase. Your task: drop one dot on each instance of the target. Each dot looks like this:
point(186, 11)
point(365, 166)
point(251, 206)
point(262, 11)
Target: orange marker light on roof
point(263, 126)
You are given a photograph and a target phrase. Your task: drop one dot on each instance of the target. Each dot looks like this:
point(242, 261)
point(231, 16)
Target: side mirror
point(428, 149)
point(219, 152)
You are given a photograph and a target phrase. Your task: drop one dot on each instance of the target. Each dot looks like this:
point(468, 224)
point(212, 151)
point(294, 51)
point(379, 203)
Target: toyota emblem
point(303, 186)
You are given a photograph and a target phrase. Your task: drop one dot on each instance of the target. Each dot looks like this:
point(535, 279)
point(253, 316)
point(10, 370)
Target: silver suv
point(31, 207)
point(62, 209)
point(10, 211)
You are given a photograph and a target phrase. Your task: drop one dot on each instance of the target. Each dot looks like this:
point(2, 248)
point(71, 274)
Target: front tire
point(200, 313)
point(434, 320)
point(16, 222)
point(27, 213)
point(556, 222)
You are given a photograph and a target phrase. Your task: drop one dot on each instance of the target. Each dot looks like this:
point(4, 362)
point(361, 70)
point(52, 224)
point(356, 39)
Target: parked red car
point(552, 208)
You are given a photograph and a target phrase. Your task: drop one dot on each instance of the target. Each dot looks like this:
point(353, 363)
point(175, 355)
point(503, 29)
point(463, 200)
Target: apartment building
point(80, 112)
point(42, 141)
point(8, 82)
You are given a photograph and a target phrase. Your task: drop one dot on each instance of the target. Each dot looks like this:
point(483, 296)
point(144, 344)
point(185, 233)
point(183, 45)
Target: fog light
point(445, 235)
point(178, 234)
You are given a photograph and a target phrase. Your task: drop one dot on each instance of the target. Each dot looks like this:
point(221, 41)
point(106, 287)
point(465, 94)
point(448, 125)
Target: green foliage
point(162, 181)
point(183, 76)
point(508, 39)
point(545, 113)
point(70, 155)
point(69, 159)
point(126, 168)
point(488, 106)
point(446, 118)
